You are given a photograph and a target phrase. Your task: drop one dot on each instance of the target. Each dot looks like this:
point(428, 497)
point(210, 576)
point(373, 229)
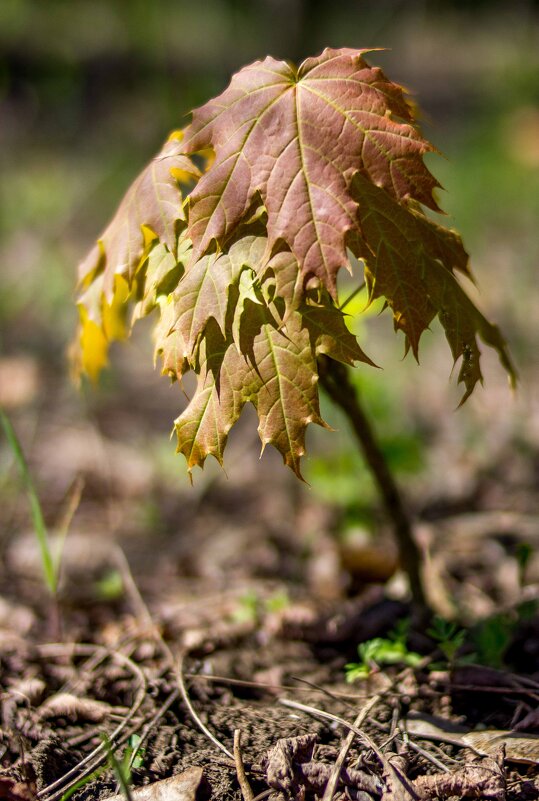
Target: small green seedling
point(110, 586)
point(379, 651)
point(277, 602)
point(251, 607)
point(448, 636)
point(133, 758)
point(247, 608)
point(121, 767)
point(491, 639)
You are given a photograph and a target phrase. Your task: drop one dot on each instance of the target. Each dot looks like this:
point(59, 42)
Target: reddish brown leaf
point(296, 136)
point(309, 162)
point(267, 358)
point(411, 262)
point(149, 210)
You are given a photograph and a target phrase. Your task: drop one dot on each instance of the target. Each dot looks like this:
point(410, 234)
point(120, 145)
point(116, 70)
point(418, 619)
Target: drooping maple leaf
point(411, 262)
point(270, 360)
point(150, 210)
point(296, 136)
point(310, 163)
point(148, 214)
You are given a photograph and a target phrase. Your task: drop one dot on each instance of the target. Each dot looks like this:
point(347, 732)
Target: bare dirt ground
point(201, 636)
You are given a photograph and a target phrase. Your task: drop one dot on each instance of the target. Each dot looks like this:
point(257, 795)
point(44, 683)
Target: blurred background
point(89, 89)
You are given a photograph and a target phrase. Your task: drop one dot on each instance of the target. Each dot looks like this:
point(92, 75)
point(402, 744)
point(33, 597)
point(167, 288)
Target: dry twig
point(99, 754)
point(394, 776)
point(245, 787)
point(347, 744)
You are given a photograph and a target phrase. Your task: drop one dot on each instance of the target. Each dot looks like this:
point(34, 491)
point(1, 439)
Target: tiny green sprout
point(110, 586)
point(277, 602)
point(448, 636)
point(133, 757)
point(250, 607)
point(492, 637)
point(121, 767)
point(380, 651)
point(247, 608)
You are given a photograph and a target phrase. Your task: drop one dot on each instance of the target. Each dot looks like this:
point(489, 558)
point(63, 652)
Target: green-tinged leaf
point(203, 428)
point(286, 397)
point(170, 348)
point(411, 262)
point(282, 283)
point(296, 136)
point(463, 322)
point(204, 291)
point(271, 362)
point(329, 334)
point(280, 382)
point(150, 210)
point(160, 276)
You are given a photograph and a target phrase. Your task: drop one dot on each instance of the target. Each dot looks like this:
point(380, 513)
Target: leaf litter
point(277, 677)
point(239, 550)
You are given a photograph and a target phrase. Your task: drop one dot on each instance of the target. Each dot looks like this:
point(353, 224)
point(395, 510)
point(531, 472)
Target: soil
point(186, 615)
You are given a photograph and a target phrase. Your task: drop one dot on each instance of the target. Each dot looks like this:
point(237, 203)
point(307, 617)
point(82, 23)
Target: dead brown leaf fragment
point(185, 786)
point(75, 708)
point(13, 790)
point(485, 779)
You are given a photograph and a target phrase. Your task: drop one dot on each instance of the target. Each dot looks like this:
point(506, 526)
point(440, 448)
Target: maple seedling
point(236, 231)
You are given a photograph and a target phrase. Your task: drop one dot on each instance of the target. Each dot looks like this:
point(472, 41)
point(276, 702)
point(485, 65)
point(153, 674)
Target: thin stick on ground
point(99, 754)
point(264, 794)
point(335, 380)
point(389, 769)
point(263, 685)
point(426, 755)
point(176, 666)
point(243, 782)
point(333, 780)
point(187, 701)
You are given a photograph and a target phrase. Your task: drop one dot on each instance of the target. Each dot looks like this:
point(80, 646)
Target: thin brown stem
point(336, 382)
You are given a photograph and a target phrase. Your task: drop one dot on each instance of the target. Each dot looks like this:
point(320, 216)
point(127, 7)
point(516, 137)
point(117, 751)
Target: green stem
point(47, 561)
point(335, 380)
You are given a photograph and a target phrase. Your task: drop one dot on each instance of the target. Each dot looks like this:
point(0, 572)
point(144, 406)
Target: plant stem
point(336, 382)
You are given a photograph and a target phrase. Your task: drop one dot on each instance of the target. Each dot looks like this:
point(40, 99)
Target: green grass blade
point(40, 529)
point(119, 769)
point(82, 782)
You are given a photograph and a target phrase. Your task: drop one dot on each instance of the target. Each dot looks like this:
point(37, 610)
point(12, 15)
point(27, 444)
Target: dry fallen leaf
point(66, 705)
point(518, 747)
point(183, 787)
point(12, 790)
